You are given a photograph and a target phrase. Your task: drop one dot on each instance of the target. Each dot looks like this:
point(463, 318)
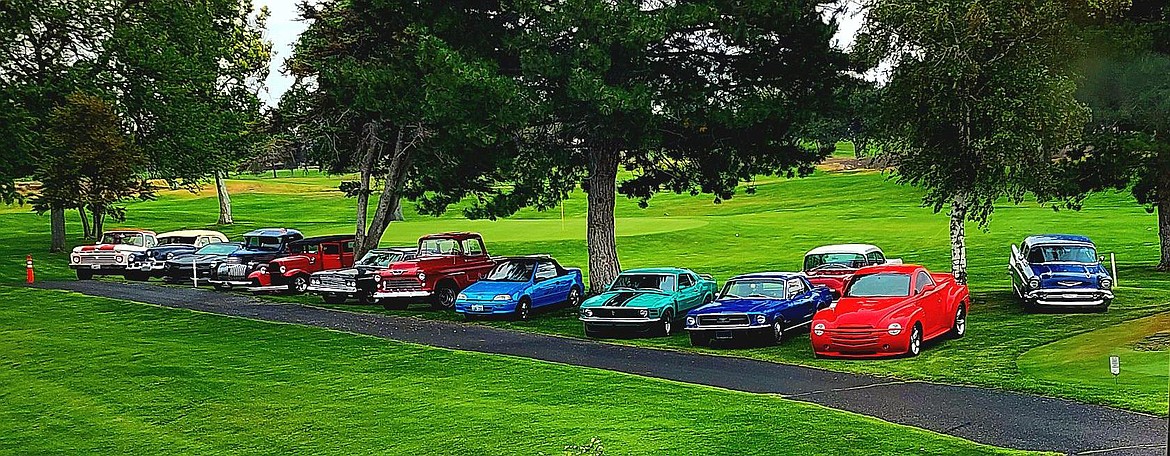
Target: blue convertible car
point(1060, 270)
point(766, 303)
point(517, 285)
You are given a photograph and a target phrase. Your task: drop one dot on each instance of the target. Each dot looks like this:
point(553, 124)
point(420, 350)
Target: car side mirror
point(835, 294)
point(1101, 259)
point(927, 288)
point(826, 305)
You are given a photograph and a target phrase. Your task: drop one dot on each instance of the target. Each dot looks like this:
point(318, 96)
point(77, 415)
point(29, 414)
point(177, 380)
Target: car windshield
point(834, 260)
point(262, 243)
point(123, 239)
point(754, 288)
point(663, 282)
point(438, 247)
point(880, 285)
point(380, 258)
point(217, 249)
point(511, 271)
point(180, 240)
point(1062, 254)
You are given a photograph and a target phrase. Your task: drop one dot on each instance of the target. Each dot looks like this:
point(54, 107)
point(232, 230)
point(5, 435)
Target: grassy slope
point(97, 375)
point(769, 230)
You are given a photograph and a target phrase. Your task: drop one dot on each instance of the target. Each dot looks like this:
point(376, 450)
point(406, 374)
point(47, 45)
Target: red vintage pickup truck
point(446, 263)
point(306, 256)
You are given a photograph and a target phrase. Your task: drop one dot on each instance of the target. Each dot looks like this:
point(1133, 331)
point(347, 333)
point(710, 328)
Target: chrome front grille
point(724, 320)
point(401, 285)
point(232, 270)
point(103, 259)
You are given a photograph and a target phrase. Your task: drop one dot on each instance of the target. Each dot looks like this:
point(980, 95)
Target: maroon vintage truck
point(445, 264)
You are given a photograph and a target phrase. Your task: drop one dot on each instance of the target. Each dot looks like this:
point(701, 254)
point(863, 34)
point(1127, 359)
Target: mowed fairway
point(84, 375)
point(769, 230)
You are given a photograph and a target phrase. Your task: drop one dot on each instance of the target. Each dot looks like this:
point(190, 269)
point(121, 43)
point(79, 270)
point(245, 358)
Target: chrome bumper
point(1070, 297)
point(231, 283)
point(724, 327)
point(402, 294)
point(638, 320)
point(323, 289)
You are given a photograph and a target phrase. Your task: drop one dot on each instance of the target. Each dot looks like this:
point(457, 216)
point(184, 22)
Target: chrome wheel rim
point(777, 331)
point(301, 284)
point(666, 325)
point(447, 298)
point(960, 321)
point(915, 342)
point(574, 295)
point(523, 310)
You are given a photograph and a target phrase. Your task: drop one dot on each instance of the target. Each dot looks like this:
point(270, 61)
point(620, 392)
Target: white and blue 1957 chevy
point(1060, 270)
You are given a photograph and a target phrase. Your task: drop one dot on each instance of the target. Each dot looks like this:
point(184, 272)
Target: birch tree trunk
point(57, 227)
point(86, 229)
point(959, 239)
point(600, 236)
point(225, 200)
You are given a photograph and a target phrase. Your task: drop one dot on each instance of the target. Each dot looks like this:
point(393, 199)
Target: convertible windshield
point(1062, 254)
point(663, 282)
point(880, 285)
point(760, 288)
point(380, 259)
point(511, 271)
point(262, 243)
point(123, 239)
point(180, 240)
point(834, 261)
point(218, 249)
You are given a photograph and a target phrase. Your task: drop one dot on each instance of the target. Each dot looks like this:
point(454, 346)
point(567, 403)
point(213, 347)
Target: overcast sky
point(283, 29)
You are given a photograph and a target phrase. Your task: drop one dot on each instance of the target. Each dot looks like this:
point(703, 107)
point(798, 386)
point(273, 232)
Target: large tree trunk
point(86, 230)
point(959, 239)
point(391, 197)
point(1164, 231)
point(363, 198)
point(602, 243)
point(99, 216)
point(225, 199)
point(57, 227)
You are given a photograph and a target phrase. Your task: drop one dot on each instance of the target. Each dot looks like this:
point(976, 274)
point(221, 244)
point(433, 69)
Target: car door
point(544, 292)
point(929, 301)
point(689, 293)
point(800, 304)
point(347, 254)
point(330, 256)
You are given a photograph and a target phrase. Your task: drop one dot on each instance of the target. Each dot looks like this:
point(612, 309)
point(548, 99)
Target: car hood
point(108, 248)
point(628, 298)
point(739, 305)
point(1069, 275)
point(256, 255)
point(185, 260)
point(486, 290)
point(863, 311)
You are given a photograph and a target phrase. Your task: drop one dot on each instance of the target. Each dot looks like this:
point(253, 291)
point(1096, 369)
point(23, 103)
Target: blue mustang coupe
point(517, 285)
point(1060, 270)
point(766, 303)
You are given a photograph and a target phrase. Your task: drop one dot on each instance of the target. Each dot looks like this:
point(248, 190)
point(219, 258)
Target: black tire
point(334, 298)
point(84, 274)
point(1104, 307)
point(778, 332)
point(665, 325)
point(136, 276)
point(593, 332)
point(366, 298)
point(523, 309)
point(574, 297)
point(915, 345)
point(700, 338)
point(298, 285)
point(959, 326)
point(444, 298)
point(221, 286)
point(395, 304)
point(1030, 306)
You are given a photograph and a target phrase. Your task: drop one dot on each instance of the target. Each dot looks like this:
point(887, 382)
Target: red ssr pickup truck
point(306, 256)
point(446, 263)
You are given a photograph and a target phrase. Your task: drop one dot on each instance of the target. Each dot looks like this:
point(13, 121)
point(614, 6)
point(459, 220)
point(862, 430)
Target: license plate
point(477, 307)
point(146, 267)
point(95, 266)
point(723, 334)
point(1071, 296)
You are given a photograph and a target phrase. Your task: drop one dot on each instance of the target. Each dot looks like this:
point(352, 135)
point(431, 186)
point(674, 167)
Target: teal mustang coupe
point(646, 300)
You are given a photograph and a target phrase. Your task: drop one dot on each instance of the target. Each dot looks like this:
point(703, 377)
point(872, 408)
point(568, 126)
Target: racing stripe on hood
point(620, 299)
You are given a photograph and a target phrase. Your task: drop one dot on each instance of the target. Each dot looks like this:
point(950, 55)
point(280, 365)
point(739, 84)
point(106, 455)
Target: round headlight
point(262, 269)
point(894, 329)
point(644, 313)
point(377, 278)
point(170, 255)
point(350, 283)
point(422, 277)
point(76, 258)
point(283, 269)
point(461, 296)
point(819, 329)
point(119, 258)
point(588, 312)
point(1106, 283)
point(760, 319)
point(1034, 283)
point(690, 321)
point(503, 297)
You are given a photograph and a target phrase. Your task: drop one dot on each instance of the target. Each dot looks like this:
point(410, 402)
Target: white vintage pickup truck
point(119, 252)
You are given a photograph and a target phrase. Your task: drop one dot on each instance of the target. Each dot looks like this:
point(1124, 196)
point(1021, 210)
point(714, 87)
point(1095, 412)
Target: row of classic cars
point(853, 300)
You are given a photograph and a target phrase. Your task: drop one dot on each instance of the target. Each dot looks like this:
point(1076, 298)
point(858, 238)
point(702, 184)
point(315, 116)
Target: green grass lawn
point(92, 375)
point(768, 230)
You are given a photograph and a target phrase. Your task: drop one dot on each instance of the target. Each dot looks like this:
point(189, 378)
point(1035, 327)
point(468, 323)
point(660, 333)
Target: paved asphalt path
point(994, 417)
